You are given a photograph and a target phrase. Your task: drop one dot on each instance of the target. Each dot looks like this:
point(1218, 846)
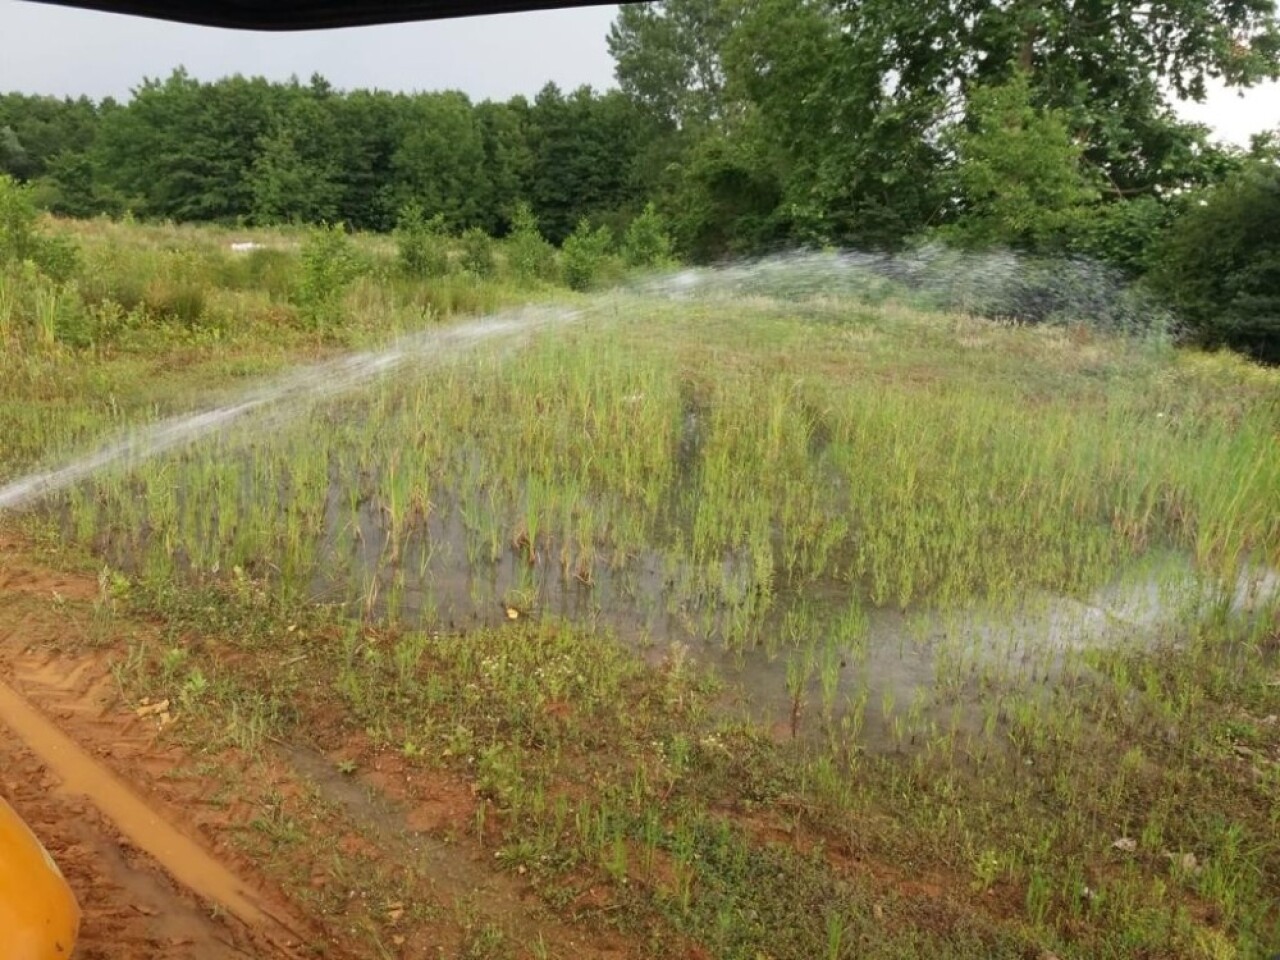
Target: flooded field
point(789, 490)
point(730, 576)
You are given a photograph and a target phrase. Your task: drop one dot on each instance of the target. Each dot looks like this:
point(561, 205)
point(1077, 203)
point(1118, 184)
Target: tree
point(646, 243)
point(668, 57)
point(20, 240)
point(583, 254)
point(14, 159)
point(726, 200)
point(71, 187)
point(294, 177)
point(440, 162)
point(41, 128)
point(1108, 65)
point(1219, 264)
point(186, 149)
point(1018, 180)
point(528, 254)
point(585, 148)
point(507, 159)
point(421, 243)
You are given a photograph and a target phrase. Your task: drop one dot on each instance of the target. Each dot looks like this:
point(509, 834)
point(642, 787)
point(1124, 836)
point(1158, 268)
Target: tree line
point(250, 150)
point(1042, 126)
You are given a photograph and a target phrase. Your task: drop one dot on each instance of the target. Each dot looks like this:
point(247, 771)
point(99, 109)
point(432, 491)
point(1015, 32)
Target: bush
point(583, 254)
point(329, 265)
point(477, 252)
point(422, 243)
point(55, 257)
point(646, 243)
point(1219, 264)
point(529, 255)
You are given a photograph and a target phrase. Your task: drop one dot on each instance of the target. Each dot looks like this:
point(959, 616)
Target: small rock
point(1125, 844)
point(1187, 862)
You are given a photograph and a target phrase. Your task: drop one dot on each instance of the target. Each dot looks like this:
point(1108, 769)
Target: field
point(769, 613)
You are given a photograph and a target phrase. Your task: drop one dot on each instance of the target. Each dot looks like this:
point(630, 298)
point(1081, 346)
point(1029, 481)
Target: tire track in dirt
point(74, 764)
point(184, 859)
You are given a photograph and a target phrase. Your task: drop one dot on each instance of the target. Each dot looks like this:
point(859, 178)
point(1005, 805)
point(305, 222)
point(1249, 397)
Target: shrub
point(422, 243)
point(477, 252)
point(583, 254)
point(1219, 264)
point(329, 265)
point(55, 257)
point(529, 255)
point(646, 243)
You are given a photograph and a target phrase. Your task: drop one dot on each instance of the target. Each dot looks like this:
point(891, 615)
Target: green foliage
point(646, 243)
point(35, 129)
point(584, 149)
point(71, 188)
point(726, 200)
point(669, 57)
point(20, 240)
point(529, 256)
point(477, 252)
point(583, 255)
point(440, 159)
point(421, 242)
point(14, 159)
point(330, 263)
point(1123, 232)
point(1219, 264)
point(294, 178)
point(1018, 176)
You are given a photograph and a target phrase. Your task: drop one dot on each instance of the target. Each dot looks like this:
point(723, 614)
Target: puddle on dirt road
point(177, 853)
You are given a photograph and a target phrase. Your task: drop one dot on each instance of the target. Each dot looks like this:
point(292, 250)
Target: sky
point(54, 50)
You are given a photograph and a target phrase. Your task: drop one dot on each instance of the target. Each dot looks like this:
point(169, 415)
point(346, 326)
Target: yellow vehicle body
point(39, 916)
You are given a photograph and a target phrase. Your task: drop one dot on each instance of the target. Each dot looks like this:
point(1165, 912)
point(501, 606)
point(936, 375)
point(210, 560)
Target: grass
point(756, 626)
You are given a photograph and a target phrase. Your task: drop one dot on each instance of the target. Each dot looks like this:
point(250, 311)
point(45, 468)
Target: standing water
point(688, 471)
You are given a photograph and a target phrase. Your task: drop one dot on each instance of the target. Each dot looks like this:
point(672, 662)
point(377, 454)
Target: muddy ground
point(133, 905)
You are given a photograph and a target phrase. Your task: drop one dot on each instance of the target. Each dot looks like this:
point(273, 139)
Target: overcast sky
point(47, 49)
point(58, 51)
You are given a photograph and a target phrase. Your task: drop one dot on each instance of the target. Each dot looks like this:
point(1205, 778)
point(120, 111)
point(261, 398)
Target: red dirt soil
point(132, 906)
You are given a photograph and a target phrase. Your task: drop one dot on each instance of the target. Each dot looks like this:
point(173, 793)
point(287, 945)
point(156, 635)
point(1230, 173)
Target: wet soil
point(148, 825)
point(76, 763)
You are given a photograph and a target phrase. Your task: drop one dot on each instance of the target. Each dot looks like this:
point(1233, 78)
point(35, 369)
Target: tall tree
point(1018, 181)
point(186, 149)
point(584, 157)
point(668, 57)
